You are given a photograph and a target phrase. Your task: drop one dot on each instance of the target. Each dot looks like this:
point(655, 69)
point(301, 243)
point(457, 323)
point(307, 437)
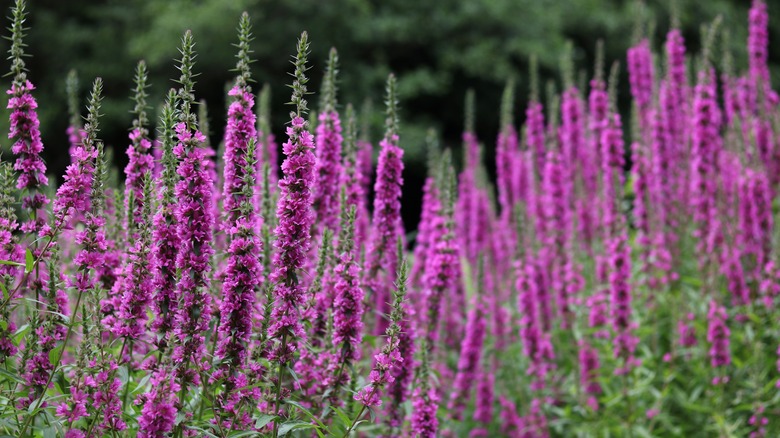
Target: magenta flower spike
point(140, 160)
point(166, 240)
point(469, 360)
point(705, 149)
point(386, 221)
point(243, 275)
point(641, 77)
point(389, 356)
point(194, 219)
point(137, 293)
point(758, 49)
point(718, 335)
point(329, 144)
point(25, 131)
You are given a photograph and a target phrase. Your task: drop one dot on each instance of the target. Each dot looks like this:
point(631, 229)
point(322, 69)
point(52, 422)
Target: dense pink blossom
point(718, 335)
point(240, 129)
point(292, 236)
point(469, 360)
point(25, 131)
point(195, 220)
point(425, 403)
point(386, 226)
point(329, 141)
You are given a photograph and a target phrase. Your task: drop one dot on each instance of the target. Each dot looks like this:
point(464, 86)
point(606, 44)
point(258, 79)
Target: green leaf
point(55, 355)
point(342, 416)
point(263, 420)
point(5, 289)
point(9, 375)
point(306, 411)
point(294, 375)
point(50, 432)
point(285, 428)
point(8, 262)
point(29, 261)
point(124, 375)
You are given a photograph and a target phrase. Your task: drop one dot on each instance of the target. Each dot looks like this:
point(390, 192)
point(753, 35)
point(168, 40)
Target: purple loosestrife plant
point(430, 210)
point(425, 400)
point(51, 331)
point(140, 160)
point(536, 342)
point(240, 129)
point(705, 147)
point(269, 150)
point(329, 143)
point(348, 299)
point(158, 413)
point(758, 49)
point(386, 222)
point(388, 357)
point(470, 352)
point(293, 238)
point(194, 229)
point(166, 240)
point(507, 178)
point(467, 208)
point(642, 80)
point(75, 129)
point(483, 411)
point(25, 131)
point(718, 335)
point(243, 276)
point(9, 250)
point(137, 293)
point(442, 266)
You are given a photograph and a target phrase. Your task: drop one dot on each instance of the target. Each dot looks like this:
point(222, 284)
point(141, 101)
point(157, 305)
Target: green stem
point(282, 366)
point(39, 400)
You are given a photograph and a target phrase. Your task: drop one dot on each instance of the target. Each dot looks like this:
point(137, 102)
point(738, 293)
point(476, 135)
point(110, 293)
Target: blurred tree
point(438, 49)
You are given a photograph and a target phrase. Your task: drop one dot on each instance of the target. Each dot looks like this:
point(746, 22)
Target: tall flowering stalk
point(705, 148)
point(470, 352)
point(9, 250)
point(269, 154)
point(673, 101)
point(25, 131)
point(75, 131)
point(166, 240)
point(642, 80)
point(140, 160)
point(329, 142)
point(442, 267)
point(617, 250)
point(127, 299)
point(386, 221)
point(293, 237)
point(52, 330)
point(241, 127)
point(508, 177)
point(758, 49)
point(242, 277)
point(388, 357)
point(137, 293)
point(425, 400)
point(194, 217)
point(429, 211)
point(82, 192)
point(348, 298)
point(535, 126)
point(536, 342)
point(718, 335)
